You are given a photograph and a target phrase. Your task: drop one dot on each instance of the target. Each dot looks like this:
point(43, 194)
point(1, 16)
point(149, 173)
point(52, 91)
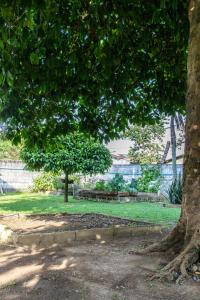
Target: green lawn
point(36, 203)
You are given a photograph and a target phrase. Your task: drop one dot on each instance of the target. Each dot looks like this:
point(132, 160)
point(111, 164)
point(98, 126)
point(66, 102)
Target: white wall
point(14, 176)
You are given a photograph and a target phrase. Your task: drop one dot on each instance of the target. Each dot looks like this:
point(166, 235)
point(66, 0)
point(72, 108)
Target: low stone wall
point(68, 238)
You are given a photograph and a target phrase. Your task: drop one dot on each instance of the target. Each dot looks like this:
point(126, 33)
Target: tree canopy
point(96, 66)
point(73, 153)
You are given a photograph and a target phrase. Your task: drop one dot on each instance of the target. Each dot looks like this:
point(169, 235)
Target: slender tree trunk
point(173, 146)
point(165, 152)
point(181, 122)
point(66, 187)
point(185, 238)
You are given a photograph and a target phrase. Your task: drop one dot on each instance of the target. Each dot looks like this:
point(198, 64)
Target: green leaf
point(1, 44)
point(2, 79)
point(34, 58)
point(9, 78)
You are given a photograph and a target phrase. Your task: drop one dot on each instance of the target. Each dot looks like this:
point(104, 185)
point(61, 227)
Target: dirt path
point(87, 272)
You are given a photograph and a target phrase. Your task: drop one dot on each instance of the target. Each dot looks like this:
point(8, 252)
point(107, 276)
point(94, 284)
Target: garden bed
point(105, 196)
point(62, 222)
point(94, 194)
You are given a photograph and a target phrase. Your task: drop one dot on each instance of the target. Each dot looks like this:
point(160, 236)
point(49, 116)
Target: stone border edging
point(94, 234)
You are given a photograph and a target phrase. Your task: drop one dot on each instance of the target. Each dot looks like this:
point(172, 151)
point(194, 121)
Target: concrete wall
point(14, 176)
point(134, 171)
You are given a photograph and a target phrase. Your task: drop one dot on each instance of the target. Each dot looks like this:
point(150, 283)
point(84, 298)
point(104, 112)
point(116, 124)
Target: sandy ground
point(88, 272)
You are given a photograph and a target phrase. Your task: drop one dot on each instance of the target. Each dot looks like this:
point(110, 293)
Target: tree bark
point(191, 190)
point(173, 145)
point(185, 238)
point(66, 187)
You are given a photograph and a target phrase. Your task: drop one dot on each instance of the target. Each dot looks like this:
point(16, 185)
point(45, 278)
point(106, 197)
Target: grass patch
point(37, 204)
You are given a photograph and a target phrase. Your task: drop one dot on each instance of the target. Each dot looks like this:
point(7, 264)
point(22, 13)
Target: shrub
point(175, 191)
point(43, 182)
point(132, 186)
point(150, 179)
point(48, 181)
point(101, 186)
point(117, 184)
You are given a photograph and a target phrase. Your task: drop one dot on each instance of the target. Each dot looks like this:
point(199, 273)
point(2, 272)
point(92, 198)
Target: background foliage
point(147, 143)
point(116, 184)
point(8, 150)
point(150, 179)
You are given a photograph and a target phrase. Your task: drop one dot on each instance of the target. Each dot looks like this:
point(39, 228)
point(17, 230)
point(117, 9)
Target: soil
point(61, 222)
point(91, 271)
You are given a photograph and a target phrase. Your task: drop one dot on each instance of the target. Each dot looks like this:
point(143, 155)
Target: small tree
point(147, 143)
point(73, 153)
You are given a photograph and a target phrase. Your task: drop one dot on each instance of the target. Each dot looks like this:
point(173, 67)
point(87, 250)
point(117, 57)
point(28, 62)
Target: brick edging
point(94, 234)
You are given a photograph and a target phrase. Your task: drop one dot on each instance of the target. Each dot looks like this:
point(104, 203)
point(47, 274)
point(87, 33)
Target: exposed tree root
point(173, 241)
point(179, 268)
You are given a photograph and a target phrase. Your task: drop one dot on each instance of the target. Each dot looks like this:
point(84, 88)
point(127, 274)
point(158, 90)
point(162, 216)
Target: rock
point(195, 278)
point(176, 275)
point(7, 235)
point(198, 266)
point(194, 268)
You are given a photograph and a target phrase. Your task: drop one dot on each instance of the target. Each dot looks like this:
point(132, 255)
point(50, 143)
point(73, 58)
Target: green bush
point(117, 184)
point(44, 182)
point(175, 191)
point(48, 181)
point(150, 179)
point(101, 185)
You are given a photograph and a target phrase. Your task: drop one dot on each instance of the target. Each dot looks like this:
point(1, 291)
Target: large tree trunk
point(66, 188)
point(184, 240)
point(173, 146)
